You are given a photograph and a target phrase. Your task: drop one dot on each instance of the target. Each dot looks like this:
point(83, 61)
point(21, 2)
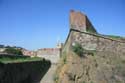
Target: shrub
point(77, 48)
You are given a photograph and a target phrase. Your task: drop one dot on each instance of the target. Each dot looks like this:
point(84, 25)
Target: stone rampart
point(90, 41)
point(23, 72)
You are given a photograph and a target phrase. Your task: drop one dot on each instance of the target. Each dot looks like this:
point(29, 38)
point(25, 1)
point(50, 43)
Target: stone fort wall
point(90, 40)
point(52, 54)
point(97, 42)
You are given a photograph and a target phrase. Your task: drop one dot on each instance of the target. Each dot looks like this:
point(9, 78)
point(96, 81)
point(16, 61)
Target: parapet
point(80, 21)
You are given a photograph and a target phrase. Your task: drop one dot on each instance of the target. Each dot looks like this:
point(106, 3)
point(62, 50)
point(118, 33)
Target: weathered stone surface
point(103, 61)
point(23, 72)
point(52, 54)
point(80, 22)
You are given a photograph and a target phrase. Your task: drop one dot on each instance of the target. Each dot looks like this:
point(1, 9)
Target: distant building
point(24, 51)
point(2, 50)
point(28, 53)
point(59, 45)
point(52, 54)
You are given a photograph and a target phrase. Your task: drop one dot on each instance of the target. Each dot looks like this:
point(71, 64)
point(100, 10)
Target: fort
point(104, 63)
point(83, 32)
point(52, 54)
point(79, 21)
point(103, 57)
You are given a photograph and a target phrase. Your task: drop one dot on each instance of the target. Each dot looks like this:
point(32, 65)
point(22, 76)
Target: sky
point(34, 24)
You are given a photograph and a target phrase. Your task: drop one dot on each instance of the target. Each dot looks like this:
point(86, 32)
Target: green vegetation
point(23, 72)
point(63, 62)
point(83, 82)
point(64, 58)
point(11, 50)
point(18, 59)
point(123, 61)
point(91, 82)
point(114, 37)
point(55, 78)
point(77, 48)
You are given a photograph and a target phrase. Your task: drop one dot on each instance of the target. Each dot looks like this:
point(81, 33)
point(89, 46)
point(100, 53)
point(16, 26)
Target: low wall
point(23, 72)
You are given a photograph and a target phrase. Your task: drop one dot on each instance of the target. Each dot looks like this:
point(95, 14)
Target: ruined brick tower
point(79, 21)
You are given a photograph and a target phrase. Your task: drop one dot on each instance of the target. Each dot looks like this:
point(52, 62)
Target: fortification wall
point(52, 54)
point(23, 72)
point(90, 41)
point(88, 37)
point(102, 59)
point(80, 22)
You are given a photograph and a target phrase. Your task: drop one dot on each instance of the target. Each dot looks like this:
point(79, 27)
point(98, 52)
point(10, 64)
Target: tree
point(11, 50)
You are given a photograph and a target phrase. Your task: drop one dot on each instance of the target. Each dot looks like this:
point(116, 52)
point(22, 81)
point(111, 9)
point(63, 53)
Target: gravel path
point(48, 78)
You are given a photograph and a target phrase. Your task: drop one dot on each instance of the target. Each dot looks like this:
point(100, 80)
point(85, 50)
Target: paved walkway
point(48, 78)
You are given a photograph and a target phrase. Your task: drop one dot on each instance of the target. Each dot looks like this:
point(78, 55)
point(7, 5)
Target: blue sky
point(34, 24)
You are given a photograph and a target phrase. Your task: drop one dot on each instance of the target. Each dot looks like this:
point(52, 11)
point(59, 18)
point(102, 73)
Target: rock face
point(103, 59)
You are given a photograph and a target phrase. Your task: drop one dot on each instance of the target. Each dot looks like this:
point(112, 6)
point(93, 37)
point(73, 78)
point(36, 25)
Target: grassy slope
point(18, 59)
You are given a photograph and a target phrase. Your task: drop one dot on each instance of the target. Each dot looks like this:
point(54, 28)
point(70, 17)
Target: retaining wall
point(23, 72)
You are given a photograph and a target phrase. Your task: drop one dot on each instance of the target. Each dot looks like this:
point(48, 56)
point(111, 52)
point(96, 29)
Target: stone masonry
point(103, 57)
point(80, 22)
point(90, 41)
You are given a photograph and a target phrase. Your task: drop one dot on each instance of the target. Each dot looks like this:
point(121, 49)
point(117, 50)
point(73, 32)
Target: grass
point(17, 60)
point(114, 37)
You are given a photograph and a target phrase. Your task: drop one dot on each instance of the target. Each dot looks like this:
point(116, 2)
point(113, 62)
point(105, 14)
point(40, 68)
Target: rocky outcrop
point(23, 72)
point(102, 61)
